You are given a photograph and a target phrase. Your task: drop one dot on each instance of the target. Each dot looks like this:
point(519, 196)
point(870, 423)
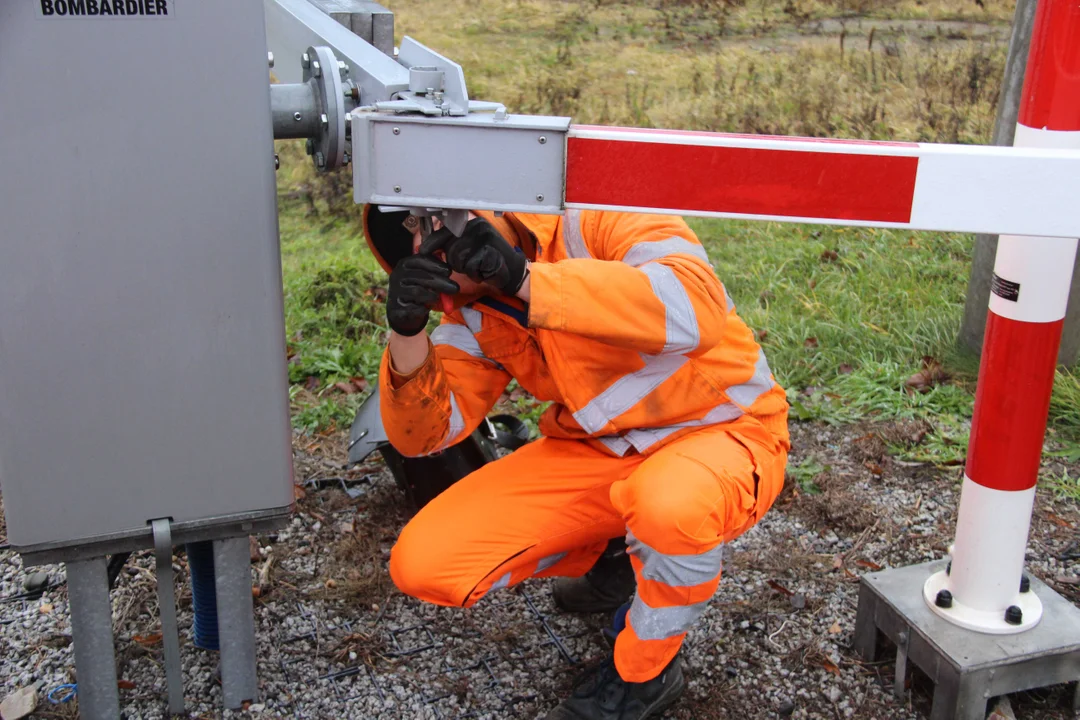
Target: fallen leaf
point(255, 592)
point(1058, 520)
point(125, 684)
point(331, 584)
point(835, 629)
point(298, 492)
point(762, 334)
point(45, 609)
point(831, 667)
point(845, 369)
point(931, 375)
point(874, 467)
point(360, 383)
point(810, 342)
point(829, 256)
point(812, 284)
point(837, 562)
point(346, 387)
point(148, 640)
point(779, 588)
point(311, 384)
point(868, 564)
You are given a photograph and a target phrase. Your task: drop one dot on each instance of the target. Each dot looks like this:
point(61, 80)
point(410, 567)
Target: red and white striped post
point(1023, 329)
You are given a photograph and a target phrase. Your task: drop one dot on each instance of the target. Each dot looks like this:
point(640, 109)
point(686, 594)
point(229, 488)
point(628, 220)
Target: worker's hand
point(415, 285)
point(482, 254)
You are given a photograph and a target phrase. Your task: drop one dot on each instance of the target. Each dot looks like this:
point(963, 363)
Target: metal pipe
point(91, 631)
point(236, 621)
point(294, 110)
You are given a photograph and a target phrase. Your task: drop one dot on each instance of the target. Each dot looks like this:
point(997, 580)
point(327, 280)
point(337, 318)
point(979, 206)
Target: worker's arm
point(442, 398)
point(647, 286)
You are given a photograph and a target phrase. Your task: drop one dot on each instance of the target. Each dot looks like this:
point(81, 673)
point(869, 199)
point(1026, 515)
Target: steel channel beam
point(292, 26)
point(91, 632)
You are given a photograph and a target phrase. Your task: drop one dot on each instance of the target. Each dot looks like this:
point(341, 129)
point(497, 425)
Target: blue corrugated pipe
point(200, 557)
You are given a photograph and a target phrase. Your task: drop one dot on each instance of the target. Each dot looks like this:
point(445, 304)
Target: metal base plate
point(968, 668)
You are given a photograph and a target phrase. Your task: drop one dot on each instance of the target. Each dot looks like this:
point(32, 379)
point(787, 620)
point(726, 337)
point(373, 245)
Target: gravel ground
point(337, 641)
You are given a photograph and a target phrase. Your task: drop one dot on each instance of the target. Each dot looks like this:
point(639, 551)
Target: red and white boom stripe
point(964, 188)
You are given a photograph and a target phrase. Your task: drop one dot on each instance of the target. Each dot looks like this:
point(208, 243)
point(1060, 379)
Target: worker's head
point(395, 235)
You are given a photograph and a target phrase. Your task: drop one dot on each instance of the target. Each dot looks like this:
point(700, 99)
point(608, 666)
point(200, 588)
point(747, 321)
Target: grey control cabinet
point(142, 360)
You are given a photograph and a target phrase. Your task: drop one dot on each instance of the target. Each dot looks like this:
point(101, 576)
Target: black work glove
point(482, 254)
point(415, 285)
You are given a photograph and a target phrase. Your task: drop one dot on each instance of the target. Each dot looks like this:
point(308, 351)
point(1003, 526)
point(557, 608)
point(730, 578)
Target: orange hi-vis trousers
point(550, 508)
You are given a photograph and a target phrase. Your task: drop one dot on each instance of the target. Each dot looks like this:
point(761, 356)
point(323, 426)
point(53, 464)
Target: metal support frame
point(91, 632)
point(370, 21)
point(236, 621)
point(170, 635)
point(967, 668)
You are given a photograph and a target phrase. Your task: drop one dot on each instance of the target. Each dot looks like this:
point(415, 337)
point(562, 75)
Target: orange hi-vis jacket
point(629, 333)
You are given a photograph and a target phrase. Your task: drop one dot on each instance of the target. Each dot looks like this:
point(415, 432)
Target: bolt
point(277, 162)
point(397, 131)
point(1014, 615)
point(345, 158)
point(542, 140)
point(944, 599)
point(1025, 584)
point(310, 146)
point(397, 188)
point(316, 69)
point(305, 61)
point(342, 67)
point(297, 116)
point(348, 127)
point(539, 198)
point(948, 568)
point(320, 160)
point(270, 59)
point(324, 120)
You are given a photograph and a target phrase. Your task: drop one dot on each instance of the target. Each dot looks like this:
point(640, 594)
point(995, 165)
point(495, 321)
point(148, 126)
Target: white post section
point(985, 589)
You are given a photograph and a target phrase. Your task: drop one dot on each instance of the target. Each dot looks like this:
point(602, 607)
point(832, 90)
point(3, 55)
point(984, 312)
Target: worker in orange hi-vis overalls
point(666, 436)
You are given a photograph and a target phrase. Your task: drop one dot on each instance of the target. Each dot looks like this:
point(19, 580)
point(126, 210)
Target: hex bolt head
point(310, 146)
point(948, 568)
point(1014, 615)
point(542, 140)
point(305, 61)
point(943, 599)
point(397, 131)
point(397, 188)
point(1025, 584)
point(342, 68)
point(539, 198)
point(270, 59)
point(297, 116)
point(324, 120)
point(316, 69)
point(277, 162)
point(320, 160)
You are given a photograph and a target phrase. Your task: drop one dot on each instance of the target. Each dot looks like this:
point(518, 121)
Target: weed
point(1064, 486)
point(806, 473)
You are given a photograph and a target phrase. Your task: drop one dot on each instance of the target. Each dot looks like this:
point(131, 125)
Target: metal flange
point(321, 69)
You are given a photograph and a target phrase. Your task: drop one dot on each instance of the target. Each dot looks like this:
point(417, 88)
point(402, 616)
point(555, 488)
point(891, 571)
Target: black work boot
point(600, 694)
point(609, 583)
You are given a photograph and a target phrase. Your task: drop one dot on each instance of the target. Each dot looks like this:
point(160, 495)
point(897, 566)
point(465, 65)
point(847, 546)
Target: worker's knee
point(669, 509)
point(420, 568)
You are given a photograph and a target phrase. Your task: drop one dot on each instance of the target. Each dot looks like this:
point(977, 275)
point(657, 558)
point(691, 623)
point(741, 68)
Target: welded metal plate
point(474, 162)
point(1047, 654)
point(142, 358)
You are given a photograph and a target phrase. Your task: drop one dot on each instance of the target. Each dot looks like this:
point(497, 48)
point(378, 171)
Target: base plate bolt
point(1014, 615)
point(943, 599)
point(1025, 584)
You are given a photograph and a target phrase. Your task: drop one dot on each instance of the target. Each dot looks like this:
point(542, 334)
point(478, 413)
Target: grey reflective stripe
point(628, 391)
point(474, 319)
point(651, 623)
point(572, 237)
point(759, 383)
point(676, 570)
point(500, 583)
point(644, 252)
point(615, 444)
point(457, 425)
point(680, 319)
point(460, 337)
point(547, 562)
point(729, 301)
point(644, 438)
